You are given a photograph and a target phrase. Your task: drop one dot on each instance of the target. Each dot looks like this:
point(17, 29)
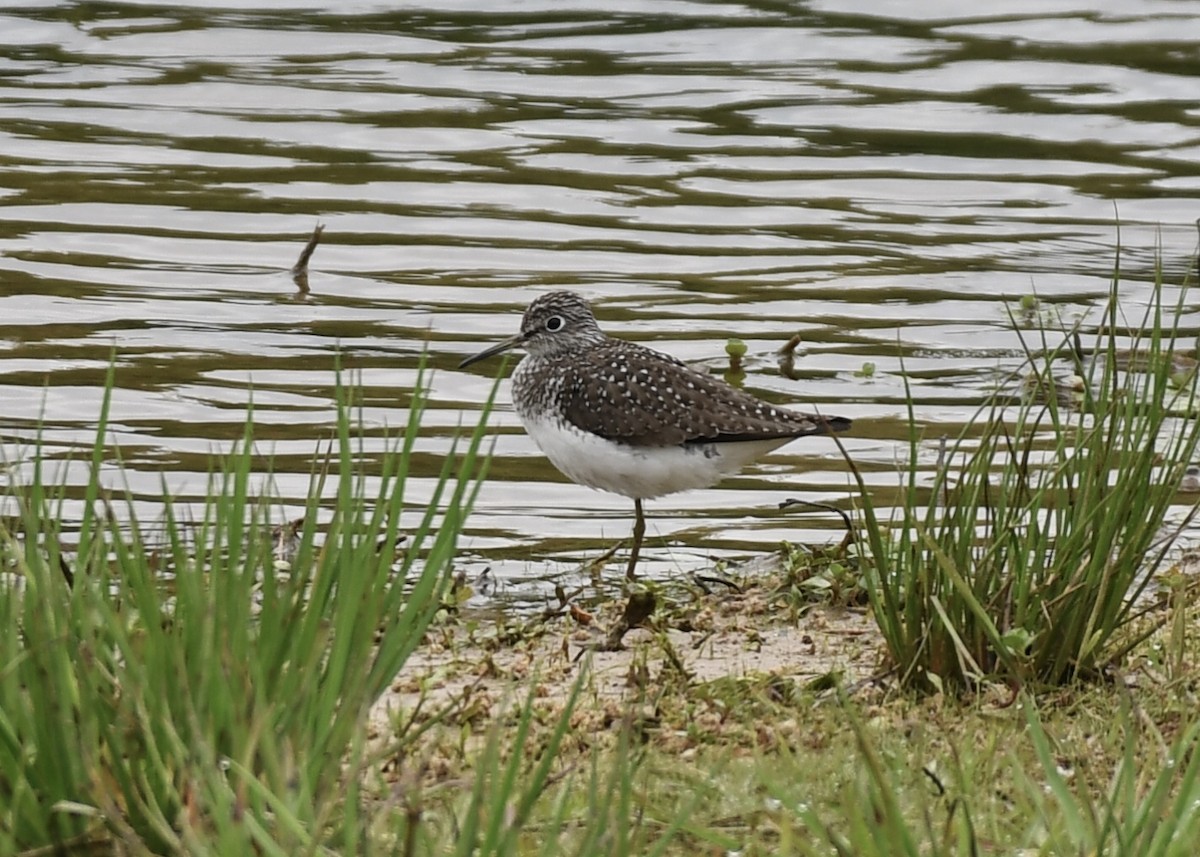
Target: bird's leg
point(639, 530)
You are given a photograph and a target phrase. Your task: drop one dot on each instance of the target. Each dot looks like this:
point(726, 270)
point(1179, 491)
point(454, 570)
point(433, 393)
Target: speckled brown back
point(625, 392)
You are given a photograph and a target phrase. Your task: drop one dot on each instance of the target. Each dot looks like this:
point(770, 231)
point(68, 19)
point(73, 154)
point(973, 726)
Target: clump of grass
point(1028, 557)
point(192, 699)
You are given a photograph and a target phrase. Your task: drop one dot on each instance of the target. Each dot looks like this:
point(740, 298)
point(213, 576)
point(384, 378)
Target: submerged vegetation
point(1031, 686)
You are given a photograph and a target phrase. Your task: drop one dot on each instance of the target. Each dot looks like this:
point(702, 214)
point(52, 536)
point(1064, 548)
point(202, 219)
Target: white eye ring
point(554, 323)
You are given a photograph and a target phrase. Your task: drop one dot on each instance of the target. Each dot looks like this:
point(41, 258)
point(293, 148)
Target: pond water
point(885, 179)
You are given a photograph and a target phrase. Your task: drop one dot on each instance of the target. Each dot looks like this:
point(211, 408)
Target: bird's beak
point(499, 347)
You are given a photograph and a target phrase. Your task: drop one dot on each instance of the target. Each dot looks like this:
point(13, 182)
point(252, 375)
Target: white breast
point(639, 472)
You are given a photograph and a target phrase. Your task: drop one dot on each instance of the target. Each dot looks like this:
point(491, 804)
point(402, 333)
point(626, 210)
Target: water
point(886, 181)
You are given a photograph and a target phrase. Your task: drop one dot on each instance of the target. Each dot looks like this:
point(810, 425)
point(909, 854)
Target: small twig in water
point(300, 269)
point(846, 539)
point(787, 358)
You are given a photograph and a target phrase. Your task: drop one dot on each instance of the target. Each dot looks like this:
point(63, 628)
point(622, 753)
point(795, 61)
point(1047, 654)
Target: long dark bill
point(498, 348)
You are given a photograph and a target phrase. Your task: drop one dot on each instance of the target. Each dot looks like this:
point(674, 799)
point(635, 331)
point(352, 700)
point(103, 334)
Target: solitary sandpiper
point(624, 418)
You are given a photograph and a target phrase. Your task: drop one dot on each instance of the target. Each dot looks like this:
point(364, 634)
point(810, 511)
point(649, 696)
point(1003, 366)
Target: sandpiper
point(620, 417)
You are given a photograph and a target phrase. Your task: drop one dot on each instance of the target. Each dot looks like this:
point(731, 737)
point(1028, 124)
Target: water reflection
point(886, 183)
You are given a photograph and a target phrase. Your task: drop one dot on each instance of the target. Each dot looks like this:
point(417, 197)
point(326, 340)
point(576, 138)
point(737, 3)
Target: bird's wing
point(655, 400)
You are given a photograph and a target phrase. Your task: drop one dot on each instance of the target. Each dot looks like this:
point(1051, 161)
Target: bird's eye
point(554, 322)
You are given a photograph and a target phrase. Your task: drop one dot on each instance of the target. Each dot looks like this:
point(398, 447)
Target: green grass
point(1026, 561)
point(753, 767)
point(188, 698)
point(191, 696)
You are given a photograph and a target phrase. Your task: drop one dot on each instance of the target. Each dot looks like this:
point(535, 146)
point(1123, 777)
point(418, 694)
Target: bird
point(617, 416)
